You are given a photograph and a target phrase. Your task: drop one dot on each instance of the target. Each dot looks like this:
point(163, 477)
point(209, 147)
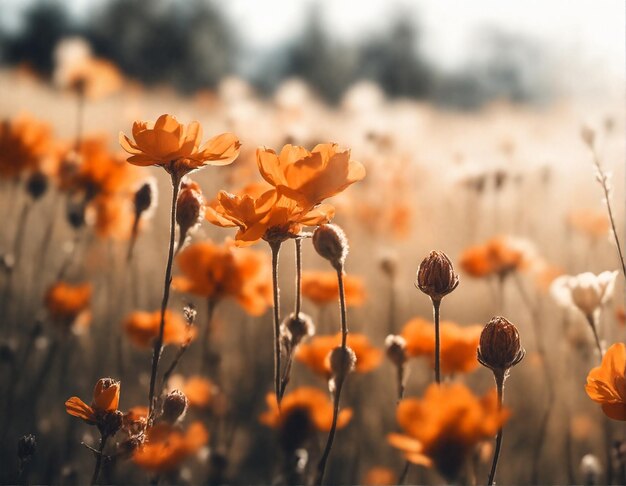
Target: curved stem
point(298, 277)
point(321, 467)
point(158, 344)
point(96, 471)
point(499, 376)
point(592, 323)
point(436, 305)
point(275, 247)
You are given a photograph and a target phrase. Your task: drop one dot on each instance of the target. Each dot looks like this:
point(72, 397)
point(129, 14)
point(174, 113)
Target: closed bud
point(145, 197)
point(499, 347)
point(395, 347)
point(342, 362)
point(436, 276)
point(297, 328)
point(189, 209)
point(26, 446)
point(37, 184)
point(174, 406)
point(330, 242)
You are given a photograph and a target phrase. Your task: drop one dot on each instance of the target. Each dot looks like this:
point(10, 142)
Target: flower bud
point(174, 406)
point(436, 276)
point(26, 446)
point(330, 242)
point(499, 347)
point(297, 328)
point(342, 362)
point(37, 184)
point(145, 197)
point(189, 209)
point(396, 349)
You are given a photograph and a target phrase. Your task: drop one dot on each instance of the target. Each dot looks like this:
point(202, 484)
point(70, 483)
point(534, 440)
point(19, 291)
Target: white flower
point(586, 291)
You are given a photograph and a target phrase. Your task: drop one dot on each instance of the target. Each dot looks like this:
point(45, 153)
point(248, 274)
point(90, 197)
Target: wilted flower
point(443, 428)
point(606, 384)
point(176, 147)
point(323, 288)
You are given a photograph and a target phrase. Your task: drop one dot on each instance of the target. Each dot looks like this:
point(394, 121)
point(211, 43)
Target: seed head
point(342, 362)
point(174, 406)
point(499, 347)
point(436, 276)
point(395, 347)
point(331, 243)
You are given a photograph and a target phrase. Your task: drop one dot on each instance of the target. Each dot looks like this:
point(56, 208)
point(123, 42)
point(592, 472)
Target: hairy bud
point(342, 362)
point(297, 328)
point(395, 347)
point(330, 242)
point(189, 209)
point(174, 406)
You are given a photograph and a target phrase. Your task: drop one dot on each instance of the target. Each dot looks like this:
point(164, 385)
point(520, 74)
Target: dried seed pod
point(436, 276)
point(395, 346)
point(174, 406)
point(331, 243)
point(499, 347)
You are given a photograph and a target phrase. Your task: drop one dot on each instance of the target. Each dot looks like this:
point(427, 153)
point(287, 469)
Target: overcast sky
point(594, 29)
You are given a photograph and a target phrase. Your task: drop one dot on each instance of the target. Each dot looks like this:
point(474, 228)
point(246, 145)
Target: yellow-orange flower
point(458, 344)
point(24, 141)
point(313, 406)
point(68, 304)
point(309, 177)
point(220, 271)
point(606, 384)
point(106, 398)
point(176, 147)
point(143, 327)
point(442, 428)
point(498, 256)
point(315, 354)
point(323, 288)
point(166, 447)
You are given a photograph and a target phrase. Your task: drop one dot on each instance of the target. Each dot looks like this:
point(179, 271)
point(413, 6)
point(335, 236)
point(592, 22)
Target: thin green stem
point(499, 377)
point(275, 247)
point(158, 344)
point(436, 305)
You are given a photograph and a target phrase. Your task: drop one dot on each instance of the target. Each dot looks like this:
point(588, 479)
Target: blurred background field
point(468, 122)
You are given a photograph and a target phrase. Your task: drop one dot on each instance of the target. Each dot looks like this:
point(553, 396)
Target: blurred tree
point(44, 24)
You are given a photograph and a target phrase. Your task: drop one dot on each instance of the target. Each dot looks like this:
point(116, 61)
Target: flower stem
point(298, 277)
point(321, 467)
point(592, 323)
point(275, 247)
point(436, 305)
point(96, 471)
point(158, 344)
point(499, 376)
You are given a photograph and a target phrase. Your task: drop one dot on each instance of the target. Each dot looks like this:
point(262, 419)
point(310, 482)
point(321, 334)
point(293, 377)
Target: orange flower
point(166, 447)
point(311, 405)
point(498, 256)
point(380, 476)
point(68, 304)
point(177, 148)
point(458, 344)
point(199, 391)
point(24, 142)
point(106, 398)
point(143, 327)
point(323, 288)
point(270, 216)
point(442, 428)
point(606, 384)
point(219, 271)
point(112, 216)
point(309, 177)
point(315, 354)
point(590, 222)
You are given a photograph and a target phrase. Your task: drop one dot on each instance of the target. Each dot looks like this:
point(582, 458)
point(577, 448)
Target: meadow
point(111, 374)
